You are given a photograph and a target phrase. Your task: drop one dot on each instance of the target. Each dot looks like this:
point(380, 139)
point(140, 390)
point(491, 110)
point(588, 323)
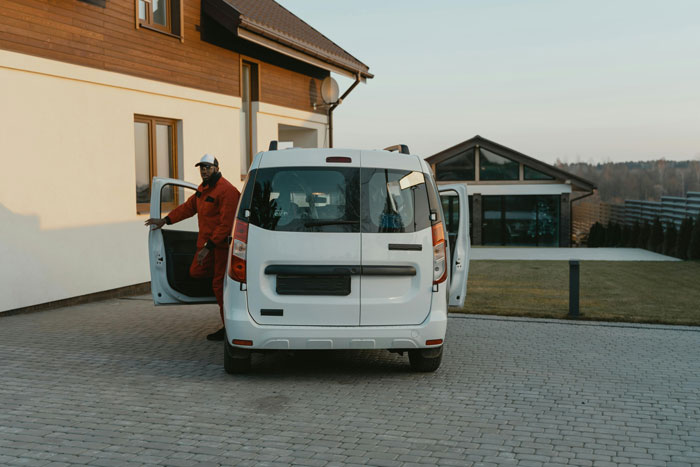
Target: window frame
point(253, 96)
point(152, 122)
point(489, 178)
point(174, 18)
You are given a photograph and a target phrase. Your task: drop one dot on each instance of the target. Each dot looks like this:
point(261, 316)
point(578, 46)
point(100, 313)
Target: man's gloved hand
point(201, 255)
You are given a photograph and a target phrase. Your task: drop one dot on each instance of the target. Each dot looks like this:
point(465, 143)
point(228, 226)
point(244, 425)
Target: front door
point(172, 248)
point(457, 223)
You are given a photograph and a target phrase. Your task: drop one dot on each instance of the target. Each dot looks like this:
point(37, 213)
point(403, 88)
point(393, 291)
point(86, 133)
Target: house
point(514, 199)
point(99, 96)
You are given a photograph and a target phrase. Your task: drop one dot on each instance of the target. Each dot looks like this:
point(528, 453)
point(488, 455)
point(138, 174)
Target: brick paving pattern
point(121, 382)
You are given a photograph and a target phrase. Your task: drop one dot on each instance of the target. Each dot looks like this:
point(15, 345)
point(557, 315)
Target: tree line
point(618, 181)
point(683, 243)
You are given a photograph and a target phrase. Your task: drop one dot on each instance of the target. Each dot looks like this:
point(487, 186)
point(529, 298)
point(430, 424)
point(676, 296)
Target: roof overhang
point(307, 57)
point(247, 29)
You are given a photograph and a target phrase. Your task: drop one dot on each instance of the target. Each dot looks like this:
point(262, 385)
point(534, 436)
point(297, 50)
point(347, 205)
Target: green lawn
point(639, 292)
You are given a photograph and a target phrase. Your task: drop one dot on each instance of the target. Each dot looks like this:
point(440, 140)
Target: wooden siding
point(289, 89)
point(106, 38)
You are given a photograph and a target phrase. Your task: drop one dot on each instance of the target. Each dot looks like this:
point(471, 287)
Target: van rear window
point(394, 201)
point(306, 199)
point(332, 199)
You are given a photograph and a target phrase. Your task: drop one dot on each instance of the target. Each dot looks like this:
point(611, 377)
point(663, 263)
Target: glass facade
point(531, 220)
point(457, 168)
point(450, 207)
point(531, 174)
point(495, 167)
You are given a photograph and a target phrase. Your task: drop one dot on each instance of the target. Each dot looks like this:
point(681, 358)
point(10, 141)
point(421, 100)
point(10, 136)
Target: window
point(304, 199)
point(155, 146)
point(495, 167)
point(531, 174)
point(161, 15)
point(394, 201)
point(459, 167)
point(314, 199)
point(249, 93)
point(526, 220)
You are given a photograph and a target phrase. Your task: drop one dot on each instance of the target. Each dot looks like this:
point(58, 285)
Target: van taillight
point(439, 251)
point(239, 248)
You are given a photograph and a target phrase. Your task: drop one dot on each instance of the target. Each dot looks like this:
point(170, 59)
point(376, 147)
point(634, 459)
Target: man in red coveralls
point(215, 204)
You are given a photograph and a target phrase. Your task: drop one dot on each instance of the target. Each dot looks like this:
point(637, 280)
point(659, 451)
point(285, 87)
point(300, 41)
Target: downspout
point(333, 106)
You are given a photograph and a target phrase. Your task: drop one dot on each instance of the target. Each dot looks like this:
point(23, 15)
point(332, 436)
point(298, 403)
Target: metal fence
point(669, 209)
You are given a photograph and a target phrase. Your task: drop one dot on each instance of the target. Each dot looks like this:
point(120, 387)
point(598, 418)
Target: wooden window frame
point(174, 18)
point(144, 208)
point(254, 97)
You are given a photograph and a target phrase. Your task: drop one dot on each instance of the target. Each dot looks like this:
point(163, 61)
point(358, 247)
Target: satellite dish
point(329, 90)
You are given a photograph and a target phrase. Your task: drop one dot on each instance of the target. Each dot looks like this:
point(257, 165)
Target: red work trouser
point(213, 265)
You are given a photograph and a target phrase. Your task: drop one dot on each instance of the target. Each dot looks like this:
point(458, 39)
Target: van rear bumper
point(240, 326)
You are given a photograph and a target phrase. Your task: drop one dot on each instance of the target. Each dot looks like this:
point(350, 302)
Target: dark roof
point(556, 172)
point(272, 21)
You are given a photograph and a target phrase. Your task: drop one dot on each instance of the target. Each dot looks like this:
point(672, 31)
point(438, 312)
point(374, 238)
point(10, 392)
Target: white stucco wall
point(68, 222)
point(268, 117)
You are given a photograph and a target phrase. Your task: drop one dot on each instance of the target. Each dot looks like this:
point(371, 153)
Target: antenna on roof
point(273, 145)
point(402, 148)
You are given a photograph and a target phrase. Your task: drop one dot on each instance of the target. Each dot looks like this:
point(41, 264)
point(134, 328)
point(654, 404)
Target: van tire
point(425, 360)
point(236, 361)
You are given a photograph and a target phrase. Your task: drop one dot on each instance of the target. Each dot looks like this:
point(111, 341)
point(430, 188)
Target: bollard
point(573, 288)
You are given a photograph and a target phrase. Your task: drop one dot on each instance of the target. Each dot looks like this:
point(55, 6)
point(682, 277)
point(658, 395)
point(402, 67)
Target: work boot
point(218, 335)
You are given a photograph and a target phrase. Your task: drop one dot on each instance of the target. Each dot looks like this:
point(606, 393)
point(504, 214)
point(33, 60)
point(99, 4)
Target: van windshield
point(332, 199)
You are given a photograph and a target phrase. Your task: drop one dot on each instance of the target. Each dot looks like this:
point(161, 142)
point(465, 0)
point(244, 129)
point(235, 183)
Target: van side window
point(306, 199)
point(394, 201)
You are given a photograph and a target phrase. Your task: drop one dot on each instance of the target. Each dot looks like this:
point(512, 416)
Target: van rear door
point(304, 239)
point(397, 258)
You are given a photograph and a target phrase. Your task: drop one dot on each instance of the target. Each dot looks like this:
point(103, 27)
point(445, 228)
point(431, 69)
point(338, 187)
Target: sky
point(591, 81)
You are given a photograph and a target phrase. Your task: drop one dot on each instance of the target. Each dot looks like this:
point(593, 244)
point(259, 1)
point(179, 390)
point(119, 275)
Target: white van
point(331, 249)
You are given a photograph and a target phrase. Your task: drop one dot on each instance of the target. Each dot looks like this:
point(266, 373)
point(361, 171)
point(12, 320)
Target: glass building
point(514, 199)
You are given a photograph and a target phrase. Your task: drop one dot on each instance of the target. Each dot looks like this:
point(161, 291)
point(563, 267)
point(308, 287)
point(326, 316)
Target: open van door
point(459, 241)
point(172, 248)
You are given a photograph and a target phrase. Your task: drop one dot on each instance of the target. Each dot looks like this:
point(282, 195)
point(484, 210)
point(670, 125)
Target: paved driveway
point(120, 382)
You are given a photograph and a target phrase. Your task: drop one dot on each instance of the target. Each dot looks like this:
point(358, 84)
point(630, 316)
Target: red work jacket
point(215, 204)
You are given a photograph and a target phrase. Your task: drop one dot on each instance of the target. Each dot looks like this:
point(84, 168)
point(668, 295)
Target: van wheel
point(236, 360)
point(425, 360)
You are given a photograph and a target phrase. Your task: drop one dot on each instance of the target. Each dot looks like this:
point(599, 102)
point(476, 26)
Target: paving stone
point(132, 384)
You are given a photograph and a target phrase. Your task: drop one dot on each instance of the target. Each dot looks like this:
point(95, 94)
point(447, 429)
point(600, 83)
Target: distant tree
point(670, 239)
point(644, 233)
point(625, 235)
point(635, 230)
point(607, 235)
point(612, 235)
point(656, 236)
point(616, 235)
point(619, 181)
point(694, 247)
point(595, 235)
point(684, 234)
